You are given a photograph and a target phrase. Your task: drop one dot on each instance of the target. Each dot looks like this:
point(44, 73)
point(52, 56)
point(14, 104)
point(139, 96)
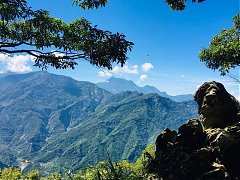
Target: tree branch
point(233, 77)
point(52, 54)
point(6, 45)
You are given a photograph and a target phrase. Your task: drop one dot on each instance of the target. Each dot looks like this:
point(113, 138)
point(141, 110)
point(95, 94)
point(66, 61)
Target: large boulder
point(216, 107)
point(207, 147)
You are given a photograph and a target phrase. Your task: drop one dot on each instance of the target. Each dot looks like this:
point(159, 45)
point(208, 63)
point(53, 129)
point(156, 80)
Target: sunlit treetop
point(223, 52)
point(56, 43)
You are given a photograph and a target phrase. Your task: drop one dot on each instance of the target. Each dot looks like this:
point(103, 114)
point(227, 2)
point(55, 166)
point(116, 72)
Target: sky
point(167, 43)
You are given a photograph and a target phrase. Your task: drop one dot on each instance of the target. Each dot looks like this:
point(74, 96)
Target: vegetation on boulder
point(204, 148)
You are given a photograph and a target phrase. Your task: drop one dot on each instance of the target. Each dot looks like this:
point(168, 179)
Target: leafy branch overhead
point(56, 43)
point(174, 4)
point(223, 52)
point(35, 32)
point(180, 4)
point(90, 4)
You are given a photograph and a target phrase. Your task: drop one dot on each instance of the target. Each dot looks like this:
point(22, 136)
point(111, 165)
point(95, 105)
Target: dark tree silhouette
point(180, 4)
point(56, 43)
point(174, 4)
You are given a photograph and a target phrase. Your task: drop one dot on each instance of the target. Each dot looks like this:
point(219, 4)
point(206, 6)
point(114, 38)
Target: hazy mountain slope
point(55, 121)
point(29, 105)
point(122, 126)
point(150, 89)
point(118, 85)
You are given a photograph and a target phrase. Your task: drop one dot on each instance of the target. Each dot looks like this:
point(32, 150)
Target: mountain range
point(57, 122)
point(117, 85)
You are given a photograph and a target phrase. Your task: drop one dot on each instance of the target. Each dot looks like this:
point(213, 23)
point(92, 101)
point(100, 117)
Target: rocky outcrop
point(205, 148)
point(217, 108)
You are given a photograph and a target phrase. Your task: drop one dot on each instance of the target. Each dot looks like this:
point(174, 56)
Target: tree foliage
point(53, 42)
point(174, 4)
point(104, 170)
point(223, 52)
point(180, 4)
point(89, 4)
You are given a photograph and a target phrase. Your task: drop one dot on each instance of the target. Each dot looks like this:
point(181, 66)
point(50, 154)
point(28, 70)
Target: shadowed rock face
point(204, 148)
point(217, 107)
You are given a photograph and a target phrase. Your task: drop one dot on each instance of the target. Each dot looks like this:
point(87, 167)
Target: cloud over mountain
point(117, 70)
point(147, 67)
point(16, 63)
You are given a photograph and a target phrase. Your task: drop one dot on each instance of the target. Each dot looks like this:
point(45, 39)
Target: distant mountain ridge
point(118, 85)
point(55, 121)
point(29, 104)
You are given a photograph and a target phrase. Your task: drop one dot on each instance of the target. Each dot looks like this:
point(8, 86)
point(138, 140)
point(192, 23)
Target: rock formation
point(216, 106)
point(205, 148)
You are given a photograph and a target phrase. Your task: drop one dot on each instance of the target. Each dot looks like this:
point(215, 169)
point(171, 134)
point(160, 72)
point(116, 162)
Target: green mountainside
point(29, 104)
point(118, 85)
point(57, 122)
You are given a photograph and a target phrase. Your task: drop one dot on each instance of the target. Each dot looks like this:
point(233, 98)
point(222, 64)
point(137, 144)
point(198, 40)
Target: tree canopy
point(90, 4)
point(59, 44)
point(223, 52)
point(53, 42)
point(180, 4)
point(174, 4)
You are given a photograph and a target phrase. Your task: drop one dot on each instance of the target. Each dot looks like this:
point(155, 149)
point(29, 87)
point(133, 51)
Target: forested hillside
point(55, 121)
point(118, 85)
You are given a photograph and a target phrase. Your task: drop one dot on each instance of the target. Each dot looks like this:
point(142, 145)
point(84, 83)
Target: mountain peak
point(119, 80)
point(117, 85)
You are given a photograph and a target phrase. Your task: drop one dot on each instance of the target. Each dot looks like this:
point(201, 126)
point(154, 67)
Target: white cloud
point(143, 77)
point(147, 67)
point(104, 74)
point(16, 63)
point(125, 70)
point(117, 70)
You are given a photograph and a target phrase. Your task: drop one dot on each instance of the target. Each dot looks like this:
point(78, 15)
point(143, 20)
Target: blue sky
point(168, 41)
